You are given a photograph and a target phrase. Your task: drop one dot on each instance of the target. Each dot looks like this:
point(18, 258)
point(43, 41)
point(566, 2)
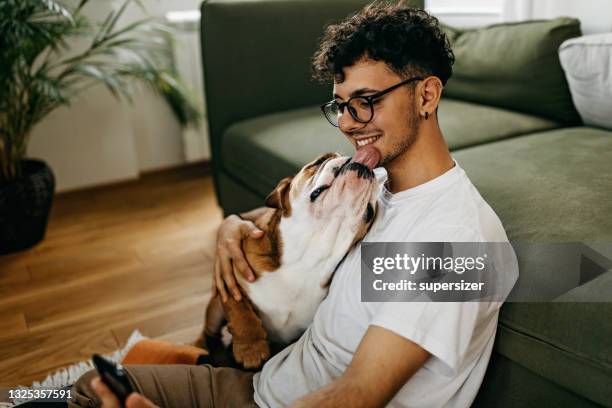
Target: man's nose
point(347, 123)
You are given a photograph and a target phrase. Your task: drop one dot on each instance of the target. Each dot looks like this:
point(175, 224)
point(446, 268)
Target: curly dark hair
point(407, 39)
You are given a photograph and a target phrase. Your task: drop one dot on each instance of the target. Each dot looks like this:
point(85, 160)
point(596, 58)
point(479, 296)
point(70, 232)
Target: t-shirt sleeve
point(445, 329)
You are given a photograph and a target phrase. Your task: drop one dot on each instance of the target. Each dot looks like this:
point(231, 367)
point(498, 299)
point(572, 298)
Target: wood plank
point(48, 276)
point(13, 276)
point(132, 256)
point(12, 324)
point(184, 315)
point(154, 285)
point(34, 363)
point(14, 267)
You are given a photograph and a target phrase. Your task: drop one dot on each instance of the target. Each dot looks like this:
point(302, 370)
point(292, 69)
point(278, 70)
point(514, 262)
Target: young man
point(359, 354)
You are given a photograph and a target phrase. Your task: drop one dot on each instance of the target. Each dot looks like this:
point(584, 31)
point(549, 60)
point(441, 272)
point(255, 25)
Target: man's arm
point(382, 364)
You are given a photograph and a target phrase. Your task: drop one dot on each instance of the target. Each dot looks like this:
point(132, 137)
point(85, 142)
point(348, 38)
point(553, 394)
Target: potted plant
point(37, 75)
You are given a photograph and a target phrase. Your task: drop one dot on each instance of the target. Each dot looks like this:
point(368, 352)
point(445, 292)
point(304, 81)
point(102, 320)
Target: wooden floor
point(132, 256)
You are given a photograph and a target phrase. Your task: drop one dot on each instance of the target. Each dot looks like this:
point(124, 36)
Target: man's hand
point(382, 364)
point(109, 400)
point(230, 261)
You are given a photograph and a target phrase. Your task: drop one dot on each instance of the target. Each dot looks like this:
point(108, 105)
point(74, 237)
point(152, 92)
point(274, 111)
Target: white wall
point(466, 13)
point(595, 15)
point(98, 140)
point(89, 143)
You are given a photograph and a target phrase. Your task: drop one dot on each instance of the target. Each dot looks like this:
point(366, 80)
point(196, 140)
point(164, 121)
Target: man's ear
point(279, 198)
point(431, 92)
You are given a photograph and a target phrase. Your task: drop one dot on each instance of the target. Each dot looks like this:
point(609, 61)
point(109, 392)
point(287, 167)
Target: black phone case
point(114, 377)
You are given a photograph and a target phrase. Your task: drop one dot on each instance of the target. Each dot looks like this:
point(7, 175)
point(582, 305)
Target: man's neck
point(427, 158)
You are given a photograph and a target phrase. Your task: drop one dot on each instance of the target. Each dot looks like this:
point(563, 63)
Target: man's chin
point(385, 160)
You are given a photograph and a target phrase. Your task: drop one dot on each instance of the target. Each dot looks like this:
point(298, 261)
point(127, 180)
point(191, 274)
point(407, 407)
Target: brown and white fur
point(306, 235)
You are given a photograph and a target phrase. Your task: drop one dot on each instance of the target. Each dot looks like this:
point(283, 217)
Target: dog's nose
point(362, 170)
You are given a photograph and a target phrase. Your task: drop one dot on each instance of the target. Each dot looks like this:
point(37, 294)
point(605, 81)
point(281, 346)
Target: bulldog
point(314, 219)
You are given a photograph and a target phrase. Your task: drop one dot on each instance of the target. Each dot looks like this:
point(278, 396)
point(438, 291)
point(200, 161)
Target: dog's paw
point(251, 355)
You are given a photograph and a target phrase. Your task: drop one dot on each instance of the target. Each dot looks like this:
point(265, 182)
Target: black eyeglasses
point(361, 108)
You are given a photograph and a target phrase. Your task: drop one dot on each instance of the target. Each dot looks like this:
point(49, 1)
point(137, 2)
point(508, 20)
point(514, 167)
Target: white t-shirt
point(458, 335)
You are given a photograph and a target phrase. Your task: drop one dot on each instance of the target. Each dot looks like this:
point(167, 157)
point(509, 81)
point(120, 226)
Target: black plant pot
point(25, 205)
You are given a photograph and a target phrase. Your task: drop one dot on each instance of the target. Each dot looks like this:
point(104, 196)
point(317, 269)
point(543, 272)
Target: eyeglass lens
point(359, 108)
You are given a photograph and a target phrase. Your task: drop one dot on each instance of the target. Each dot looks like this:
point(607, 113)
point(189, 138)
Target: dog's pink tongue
point(367, 155)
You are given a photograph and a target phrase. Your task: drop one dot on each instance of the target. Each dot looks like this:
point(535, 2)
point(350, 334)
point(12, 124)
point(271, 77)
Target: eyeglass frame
point(369, 98)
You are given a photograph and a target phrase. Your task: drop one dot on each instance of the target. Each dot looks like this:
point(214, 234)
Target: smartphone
point(114, 377)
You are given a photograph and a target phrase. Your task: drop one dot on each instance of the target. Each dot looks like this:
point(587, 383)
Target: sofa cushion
point(547, 186)
point(514, 66)
point(510, 385)
point(587, 62)
point(567, 342)
point(261, 151)
point(467, 124)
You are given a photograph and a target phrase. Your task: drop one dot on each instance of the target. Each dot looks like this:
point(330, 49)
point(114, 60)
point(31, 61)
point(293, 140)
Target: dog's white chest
point(287, 300)
point(288, 297)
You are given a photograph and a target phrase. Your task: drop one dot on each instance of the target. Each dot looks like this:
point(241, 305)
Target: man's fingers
point(248, 229)
point(138, 401)
point(230, 280)
point(244, 269)
point(109, 400)
point(227, 276)
point(219, 281)
point(240, 263)
point(213, 289)
point(256, 233)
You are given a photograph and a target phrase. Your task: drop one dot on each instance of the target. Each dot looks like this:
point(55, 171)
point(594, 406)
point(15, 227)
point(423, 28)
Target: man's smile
point(364, 141)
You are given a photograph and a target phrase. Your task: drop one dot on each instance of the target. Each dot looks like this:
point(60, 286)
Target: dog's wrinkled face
point(331, 201)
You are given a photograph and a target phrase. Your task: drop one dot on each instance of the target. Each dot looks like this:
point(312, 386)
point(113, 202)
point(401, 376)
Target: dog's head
point(329, 205)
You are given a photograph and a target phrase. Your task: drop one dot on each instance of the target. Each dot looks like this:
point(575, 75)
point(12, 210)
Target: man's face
point(394, 126)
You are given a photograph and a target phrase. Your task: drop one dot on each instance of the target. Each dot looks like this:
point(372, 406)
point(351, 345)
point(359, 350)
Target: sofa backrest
point(514, 66)
point(256, 56)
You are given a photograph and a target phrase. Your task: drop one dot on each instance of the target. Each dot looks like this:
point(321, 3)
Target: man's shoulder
point(458, 213)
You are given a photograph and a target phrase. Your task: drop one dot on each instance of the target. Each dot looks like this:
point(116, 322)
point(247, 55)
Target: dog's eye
point(317, 192)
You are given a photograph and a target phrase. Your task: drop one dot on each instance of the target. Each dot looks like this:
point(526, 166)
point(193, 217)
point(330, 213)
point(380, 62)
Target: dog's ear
point(279, 198)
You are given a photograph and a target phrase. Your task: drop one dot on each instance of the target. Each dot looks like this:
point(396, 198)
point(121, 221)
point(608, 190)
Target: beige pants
point(179, 386)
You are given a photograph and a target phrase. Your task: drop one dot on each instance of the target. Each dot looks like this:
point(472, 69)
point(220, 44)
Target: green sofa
point(508, 118)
